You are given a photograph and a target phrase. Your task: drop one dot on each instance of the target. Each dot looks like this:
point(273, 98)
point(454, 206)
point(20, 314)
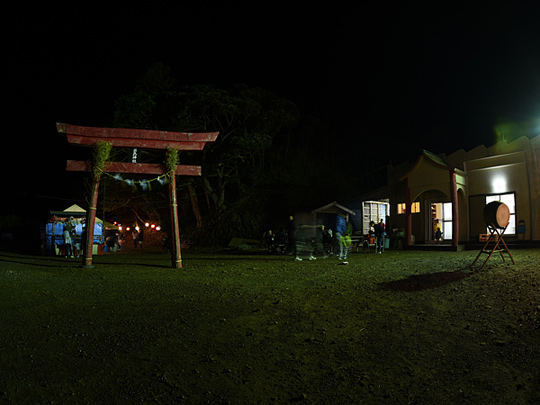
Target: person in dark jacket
point(293, 228)
point(379, 235)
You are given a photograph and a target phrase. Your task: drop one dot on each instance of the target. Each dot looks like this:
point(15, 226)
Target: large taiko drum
point(497, 214)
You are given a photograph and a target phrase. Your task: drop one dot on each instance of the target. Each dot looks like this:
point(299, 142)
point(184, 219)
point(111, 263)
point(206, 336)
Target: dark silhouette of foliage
point(249, 120)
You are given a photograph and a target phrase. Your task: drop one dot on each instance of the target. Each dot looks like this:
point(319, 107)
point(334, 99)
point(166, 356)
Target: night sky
point(387, 79)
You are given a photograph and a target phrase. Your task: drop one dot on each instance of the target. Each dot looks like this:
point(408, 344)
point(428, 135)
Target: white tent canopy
point(74, 210)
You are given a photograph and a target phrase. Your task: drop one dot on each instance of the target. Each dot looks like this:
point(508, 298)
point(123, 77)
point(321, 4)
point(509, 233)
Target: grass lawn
point(404, 327)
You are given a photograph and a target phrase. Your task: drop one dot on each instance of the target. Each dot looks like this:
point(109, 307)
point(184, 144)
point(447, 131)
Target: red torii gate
point(140, 139)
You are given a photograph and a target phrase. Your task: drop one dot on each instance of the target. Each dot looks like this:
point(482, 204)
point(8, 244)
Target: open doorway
point(441, 221)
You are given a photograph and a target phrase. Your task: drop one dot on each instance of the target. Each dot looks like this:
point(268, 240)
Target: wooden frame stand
point(495, 237)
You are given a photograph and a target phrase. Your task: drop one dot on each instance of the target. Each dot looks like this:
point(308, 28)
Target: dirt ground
point(404, 327)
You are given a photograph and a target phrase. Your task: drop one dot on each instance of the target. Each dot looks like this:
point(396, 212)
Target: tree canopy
point(264, 150)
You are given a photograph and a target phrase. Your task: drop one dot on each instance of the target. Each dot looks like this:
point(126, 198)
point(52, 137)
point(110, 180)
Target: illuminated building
point(449, 193)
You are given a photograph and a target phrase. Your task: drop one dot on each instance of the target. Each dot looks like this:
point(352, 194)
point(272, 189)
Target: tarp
point(108, 225)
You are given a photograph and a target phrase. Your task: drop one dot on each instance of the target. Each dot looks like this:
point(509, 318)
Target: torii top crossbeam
point(136, 138)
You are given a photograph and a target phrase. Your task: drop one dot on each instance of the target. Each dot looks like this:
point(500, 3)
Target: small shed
point(326, 214)
point(372, 211)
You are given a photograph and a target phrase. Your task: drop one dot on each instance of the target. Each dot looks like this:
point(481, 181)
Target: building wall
point(506, 168)
point(397, 194)
point(501, 174)
point(427, 175)
point(502, 168)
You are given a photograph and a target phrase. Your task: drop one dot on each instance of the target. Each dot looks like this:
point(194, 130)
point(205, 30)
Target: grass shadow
point(424, 281)
point(40, 261)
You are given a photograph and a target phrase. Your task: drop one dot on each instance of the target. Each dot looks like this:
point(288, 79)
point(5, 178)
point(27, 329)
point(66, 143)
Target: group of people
point(379, 232)
point(73, 243)
point(312, 241)
point(114, 242)
point(305, 240)
point(276, 242)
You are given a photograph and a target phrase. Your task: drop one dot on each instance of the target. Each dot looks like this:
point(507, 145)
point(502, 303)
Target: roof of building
point(333, 208)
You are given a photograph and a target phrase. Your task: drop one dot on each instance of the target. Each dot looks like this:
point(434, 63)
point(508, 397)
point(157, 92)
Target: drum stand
point(497, 238)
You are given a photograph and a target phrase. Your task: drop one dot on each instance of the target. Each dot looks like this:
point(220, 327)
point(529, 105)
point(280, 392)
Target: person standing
point(141, 237)
point(281, 241)
point(347, 240)
point(379, 235)
point(318, 241)
point(341, 228)
point(292, 237)
point(110, 243)
point(67, 239)
point(120, 241)
point(135, 236)
point(269, 241)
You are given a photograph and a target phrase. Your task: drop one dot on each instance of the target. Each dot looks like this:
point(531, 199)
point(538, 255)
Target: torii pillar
point(135, 138)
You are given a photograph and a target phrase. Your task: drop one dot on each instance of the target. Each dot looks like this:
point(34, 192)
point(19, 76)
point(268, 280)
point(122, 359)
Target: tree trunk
point(195, 204)
point(210, 192)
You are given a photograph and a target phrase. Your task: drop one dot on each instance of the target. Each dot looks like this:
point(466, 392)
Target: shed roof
point(333, 208)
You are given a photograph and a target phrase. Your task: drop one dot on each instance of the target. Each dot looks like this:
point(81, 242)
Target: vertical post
point(176, 254)
point(90, 223)
point(455, 209)
point(101, 154)
point(408, 214)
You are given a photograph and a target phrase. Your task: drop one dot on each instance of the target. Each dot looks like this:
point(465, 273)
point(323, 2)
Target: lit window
point(510, 200)
point(415, 207)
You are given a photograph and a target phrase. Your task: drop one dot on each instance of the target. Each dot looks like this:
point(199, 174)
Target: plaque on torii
point(139, 139)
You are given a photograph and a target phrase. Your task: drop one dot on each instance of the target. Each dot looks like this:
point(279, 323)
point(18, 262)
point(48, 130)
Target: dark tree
point(249, 120)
